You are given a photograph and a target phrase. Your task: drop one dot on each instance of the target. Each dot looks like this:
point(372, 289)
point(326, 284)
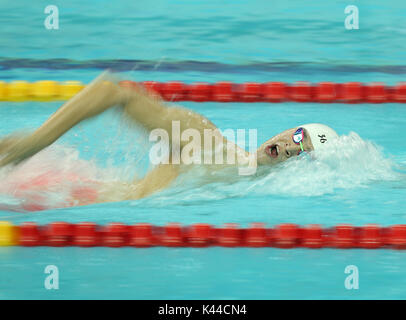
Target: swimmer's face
point(281, 147)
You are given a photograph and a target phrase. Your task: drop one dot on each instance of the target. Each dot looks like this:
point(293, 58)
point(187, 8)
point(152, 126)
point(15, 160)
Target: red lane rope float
point(224, 91)
point(323, 92)
point(88, 234)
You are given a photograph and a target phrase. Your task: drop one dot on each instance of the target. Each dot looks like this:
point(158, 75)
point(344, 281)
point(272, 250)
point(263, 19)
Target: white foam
point(349, 162)
point(48, 179)
point(346, 163)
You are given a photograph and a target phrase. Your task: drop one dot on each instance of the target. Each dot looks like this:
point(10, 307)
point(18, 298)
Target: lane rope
point(224, 91)
point(287, 235)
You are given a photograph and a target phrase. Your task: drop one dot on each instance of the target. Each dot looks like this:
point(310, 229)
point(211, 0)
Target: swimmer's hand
point(8, 141)
point(98, 96)
point(16, 148)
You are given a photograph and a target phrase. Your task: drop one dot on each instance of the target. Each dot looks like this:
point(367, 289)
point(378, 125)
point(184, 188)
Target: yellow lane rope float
point(44, 90)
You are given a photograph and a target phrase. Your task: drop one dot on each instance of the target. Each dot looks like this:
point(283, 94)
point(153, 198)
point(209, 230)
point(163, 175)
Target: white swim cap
point(319, 134)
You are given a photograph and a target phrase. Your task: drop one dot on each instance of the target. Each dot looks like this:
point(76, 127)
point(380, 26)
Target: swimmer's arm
point(91, 101)
point(151, 112)
point(156, 180)
point(95, 98)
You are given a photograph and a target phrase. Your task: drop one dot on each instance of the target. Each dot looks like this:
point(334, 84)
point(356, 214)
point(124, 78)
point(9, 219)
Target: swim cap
point(319, 134)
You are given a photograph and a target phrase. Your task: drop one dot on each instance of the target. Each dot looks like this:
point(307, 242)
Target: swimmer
point(149, 111)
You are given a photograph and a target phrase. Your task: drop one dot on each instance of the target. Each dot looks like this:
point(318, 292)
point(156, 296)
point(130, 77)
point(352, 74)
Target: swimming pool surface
point(363, 181)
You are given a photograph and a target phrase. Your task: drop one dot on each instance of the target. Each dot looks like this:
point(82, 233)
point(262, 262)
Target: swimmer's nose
point(289, 150)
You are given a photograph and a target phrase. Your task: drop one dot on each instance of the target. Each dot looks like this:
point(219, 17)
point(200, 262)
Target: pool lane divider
point(143, 235)
point(223, 91)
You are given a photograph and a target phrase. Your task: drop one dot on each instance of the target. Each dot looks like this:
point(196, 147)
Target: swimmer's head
point(292, 142)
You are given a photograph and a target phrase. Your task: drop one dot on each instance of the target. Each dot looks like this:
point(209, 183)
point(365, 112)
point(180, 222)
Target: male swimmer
point(148, 110)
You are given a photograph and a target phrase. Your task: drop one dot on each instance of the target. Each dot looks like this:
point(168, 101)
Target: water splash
point(53, 177)
point(347, 163)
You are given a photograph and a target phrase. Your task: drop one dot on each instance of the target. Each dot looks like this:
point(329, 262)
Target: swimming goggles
point(298, 139)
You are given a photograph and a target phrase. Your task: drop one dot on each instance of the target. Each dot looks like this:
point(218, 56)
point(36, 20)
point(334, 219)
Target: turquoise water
point(361, 181)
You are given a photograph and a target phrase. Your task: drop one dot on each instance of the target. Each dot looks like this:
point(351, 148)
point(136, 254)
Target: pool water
point(360, 180)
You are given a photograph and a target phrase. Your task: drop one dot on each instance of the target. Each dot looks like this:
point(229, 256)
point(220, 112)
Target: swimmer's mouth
point(272, 151)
